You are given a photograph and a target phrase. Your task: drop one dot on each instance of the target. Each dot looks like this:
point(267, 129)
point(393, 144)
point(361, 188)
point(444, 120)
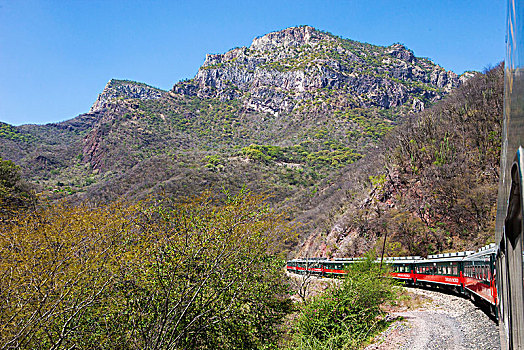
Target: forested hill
point(283, 116)
point(430, 186)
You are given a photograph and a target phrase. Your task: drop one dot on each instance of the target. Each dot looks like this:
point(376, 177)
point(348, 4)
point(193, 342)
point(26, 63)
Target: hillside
point(283, 116)
point(430, 186)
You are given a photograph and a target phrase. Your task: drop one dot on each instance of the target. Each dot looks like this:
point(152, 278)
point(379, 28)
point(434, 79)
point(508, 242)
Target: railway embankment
point(441, 321)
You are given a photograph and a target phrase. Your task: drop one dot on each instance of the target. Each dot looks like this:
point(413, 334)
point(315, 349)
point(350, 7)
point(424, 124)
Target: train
point(469, 273)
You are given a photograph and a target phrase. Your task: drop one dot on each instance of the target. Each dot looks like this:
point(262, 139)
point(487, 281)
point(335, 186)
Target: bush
point(200, 274)
point(347, 314)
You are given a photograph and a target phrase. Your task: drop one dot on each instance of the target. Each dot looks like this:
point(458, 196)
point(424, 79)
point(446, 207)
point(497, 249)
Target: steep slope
point(430, 186)
point(299, 103)
point(294, 65)
point(295, 107)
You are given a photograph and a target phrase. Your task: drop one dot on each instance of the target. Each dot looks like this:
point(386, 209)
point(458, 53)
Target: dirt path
point(445, 322)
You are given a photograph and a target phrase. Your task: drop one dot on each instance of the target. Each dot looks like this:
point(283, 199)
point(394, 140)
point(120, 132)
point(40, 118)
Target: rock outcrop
point(125, 89)
point(281, 68)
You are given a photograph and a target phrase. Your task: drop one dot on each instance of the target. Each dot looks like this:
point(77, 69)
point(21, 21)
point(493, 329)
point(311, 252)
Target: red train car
point(403, 268)
point(469, 273)
point(480, 273)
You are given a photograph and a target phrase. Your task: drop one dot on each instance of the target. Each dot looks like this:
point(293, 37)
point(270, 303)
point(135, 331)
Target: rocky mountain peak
point(283, 69)
point(290, 37)
point(401, 52)
point(124, 89)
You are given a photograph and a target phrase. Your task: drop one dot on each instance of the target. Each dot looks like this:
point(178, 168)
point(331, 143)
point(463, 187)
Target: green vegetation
point(436, 187)
point(15, 194)
point(202, 273)
point(336, 156)
point(347, 314)
point(120, 82)
point(9, 132)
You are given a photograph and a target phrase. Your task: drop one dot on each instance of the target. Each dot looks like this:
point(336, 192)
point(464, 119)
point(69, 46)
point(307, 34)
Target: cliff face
point(124, 89)
point(283, 68)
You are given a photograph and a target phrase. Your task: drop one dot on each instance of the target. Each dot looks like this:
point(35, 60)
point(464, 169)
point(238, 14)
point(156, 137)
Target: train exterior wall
point(487, 291)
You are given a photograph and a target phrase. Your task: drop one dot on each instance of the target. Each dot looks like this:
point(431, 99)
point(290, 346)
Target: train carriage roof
point(441, 260)
point(484, 251)
point(402, 260)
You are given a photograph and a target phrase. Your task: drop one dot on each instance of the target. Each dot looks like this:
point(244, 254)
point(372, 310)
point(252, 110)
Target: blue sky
point(57, 56)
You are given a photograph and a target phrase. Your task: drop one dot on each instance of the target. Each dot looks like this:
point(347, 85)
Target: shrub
point(347, 314)
point(203, 273)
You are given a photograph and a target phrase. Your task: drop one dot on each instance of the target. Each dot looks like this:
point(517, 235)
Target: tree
point(15, 194)
point(201, 273)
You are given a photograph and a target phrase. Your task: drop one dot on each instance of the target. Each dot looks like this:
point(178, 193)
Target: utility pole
point(384, 244)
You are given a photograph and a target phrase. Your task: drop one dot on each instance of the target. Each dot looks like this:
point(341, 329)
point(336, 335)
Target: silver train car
point(509, 224)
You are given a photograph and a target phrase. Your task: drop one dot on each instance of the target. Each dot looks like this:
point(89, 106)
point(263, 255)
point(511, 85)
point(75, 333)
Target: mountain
point(430, 185)
point(283, 116)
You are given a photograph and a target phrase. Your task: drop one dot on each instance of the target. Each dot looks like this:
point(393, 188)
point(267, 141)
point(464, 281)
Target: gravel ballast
point(446, 322)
